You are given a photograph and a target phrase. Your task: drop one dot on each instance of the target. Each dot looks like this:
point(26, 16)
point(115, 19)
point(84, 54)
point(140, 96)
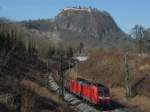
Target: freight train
point(94, 93)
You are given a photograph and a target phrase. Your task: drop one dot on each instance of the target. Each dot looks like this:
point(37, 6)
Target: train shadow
point(114, 105)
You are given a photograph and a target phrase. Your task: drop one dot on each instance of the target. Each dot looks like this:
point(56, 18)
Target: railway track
point(71, 99)
point(74, 101)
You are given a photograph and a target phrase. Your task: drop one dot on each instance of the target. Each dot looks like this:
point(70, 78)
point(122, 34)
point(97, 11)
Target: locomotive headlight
point(101, 98)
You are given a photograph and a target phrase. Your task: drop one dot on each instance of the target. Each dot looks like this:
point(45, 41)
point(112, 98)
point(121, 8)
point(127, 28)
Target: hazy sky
point(126, 13)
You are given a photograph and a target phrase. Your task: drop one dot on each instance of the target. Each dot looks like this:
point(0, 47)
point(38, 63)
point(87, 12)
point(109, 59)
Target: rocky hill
point(90, 26)
point(87, 25)
point(95, 23)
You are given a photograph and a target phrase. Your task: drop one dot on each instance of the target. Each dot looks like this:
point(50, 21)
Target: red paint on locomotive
point(96, 94)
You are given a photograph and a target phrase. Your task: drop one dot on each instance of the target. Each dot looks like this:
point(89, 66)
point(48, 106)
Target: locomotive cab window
point(103, 91)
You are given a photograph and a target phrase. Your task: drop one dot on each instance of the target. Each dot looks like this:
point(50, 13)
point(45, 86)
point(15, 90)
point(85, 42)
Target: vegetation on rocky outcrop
point(87, 25)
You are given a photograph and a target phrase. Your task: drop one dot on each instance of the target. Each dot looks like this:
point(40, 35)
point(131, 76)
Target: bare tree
point(138, 34)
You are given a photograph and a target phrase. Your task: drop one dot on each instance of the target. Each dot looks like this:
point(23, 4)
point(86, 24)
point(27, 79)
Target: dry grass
point(139, 101)
point(43, 92)
point(102, 65)
point(108, 67)
point(40, 90)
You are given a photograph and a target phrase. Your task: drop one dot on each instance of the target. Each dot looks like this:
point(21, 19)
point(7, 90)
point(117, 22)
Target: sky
point(126, 13)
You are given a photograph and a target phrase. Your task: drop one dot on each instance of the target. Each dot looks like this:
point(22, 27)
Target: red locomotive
point(95, 93)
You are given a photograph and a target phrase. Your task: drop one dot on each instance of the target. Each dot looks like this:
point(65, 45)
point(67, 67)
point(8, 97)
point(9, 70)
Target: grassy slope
point(108, 68)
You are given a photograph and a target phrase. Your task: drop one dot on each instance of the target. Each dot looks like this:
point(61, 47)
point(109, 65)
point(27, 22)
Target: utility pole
point(127, 75)
point(61, 77)
point(77, 68)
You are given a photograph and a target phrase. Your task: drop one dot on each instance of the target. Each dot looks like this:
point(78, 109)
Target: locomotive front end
point(104, 96)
